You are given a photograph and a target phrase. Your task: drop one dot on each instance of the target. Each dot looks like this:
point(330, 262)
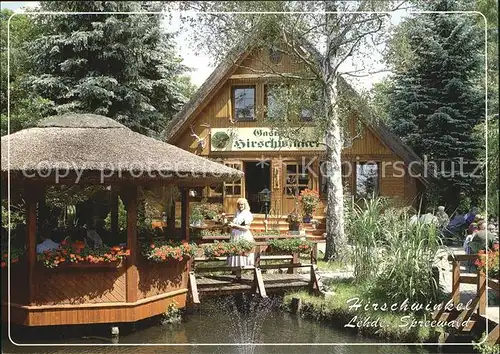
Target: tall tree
point(437, 101)
point(489, 9)
point(25, 106)
point(322, 35)
point(123, 66)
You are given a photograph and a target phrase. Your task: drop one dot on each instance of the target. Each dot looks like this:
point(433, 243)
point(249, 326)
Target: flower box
point(288, 246)
point(15, 257)
point(85, 265)
point(225, 249)
point(77, 254)
point(165, 251)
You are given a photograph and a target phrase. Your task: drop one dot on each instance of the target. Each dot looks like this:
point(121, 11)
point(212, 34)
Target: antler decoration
point(200, 141)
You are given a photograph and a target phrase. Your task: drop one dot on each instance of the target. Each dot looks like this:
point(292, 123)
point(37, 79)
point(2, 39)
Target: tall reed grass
point(394, 257)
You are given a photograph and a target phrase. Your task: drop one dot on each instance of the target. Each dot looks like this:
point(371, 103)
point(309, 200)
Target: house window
point(233, 189)
point(243, 99)
point(296, 179)
point(367, 180)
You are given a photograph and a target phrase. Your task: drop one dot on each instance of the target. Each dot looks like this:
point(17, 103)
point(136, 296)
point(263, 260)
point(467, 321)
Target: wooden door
point(232, 191)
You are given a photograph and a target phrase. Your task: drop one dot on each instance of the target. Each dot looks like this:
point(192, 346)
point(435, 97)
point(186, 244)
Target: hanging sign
point(262, 139)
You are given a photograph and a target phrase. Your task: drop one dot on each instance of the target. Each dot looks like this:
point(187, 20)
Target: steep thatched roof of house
point(98, 147)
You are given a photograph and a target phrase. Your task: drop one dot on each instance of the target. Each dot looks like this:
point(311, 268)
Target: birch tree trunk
point(335, 236)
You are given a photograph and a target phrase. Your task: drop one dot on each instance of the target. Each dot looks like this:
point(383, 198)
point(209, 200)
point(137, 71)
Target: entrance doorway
point(257, 177)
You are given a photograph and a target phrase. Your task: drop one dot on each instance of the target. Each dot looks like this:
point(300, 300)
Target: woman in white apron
point(240, 230)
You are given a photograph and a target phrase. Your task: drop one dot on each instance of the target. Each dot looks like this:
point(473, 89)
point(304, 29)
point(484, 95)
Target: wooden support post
point(296, 305)
point(481, 292)
point(185, 213)
point(314, 253)
point(171, 221)
point(314, 284)
point(455, 281)
point(32, 197)
point(435, 276)
point(257, 256)
point(114, 212)
point(494, 336)
point(193, 288)
point(132, 274)
point(259, 282)
point(294, 260)
point(185, 217)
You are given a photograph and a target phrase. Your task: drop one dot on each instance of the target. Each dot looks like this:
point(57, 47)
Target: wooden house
point(225, 121)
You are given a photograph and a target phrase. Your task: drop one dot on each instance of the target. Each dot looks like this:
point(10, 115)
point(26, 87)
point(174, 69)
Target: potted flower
point(293, 220)
point(493, 262)
point(196, 217)
point(309, 199)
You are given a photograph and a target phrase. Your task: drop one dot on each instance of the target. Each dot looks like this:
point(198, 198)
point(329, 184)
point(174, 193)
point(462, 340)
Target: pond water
point(224, 320)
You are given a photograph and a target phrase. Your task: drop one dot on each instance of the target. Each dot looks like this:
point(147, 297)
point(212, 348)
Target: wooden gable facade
point(375, 161)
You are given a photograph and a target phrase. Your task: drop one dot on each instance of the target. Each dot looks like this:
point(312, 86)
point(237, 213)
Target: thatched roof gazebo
point(89, 149)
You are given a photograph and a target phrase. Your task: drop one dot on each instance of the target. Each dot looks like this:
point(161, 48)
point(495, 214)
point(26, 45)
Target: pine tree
point(437, 100)
point(122, 66)
point(26, 108)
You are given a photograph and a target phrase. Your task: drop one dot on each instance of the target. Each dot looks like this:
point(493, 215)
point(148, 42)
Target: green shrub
point(364, 231)
point(395, 258)
point(486, 348)
point(290, 245)
point(407, 261)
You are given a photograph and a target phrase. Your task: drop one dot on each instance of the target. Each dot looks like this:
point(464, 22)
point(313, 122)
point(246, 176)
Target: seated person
point(47, 244)
point(442, 217)
point(471, 233)
point(429, 218)
point(105, 235)
point(92, 238)
point(483, 239)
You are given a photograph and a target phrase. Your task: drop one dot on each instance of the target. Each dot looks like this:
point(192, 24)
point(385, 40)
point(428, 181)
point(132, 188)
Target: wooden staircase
point(280, 223)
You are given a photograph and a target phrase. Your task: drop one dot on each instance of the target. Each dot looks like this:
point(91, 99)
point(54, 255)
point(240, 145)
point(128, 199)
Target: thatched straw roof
point(97, 147)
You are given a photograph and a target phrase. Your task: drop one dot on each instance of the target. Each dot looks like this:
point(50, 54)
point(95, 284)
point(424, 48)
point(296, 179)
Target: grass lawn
point(385, 324)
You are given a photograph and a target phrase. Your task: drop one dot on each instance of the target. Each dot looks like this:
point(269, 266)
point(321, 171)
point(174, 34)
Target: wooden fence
point(479, 303)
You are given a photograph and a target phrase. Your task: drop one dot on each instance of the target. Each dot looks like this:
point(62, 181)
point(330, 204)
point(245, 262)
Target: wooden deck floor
point(220, 284)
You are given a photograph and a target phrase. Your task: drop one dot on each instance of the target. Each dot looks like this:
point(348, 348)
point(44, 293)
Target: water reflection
point(224, 320)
